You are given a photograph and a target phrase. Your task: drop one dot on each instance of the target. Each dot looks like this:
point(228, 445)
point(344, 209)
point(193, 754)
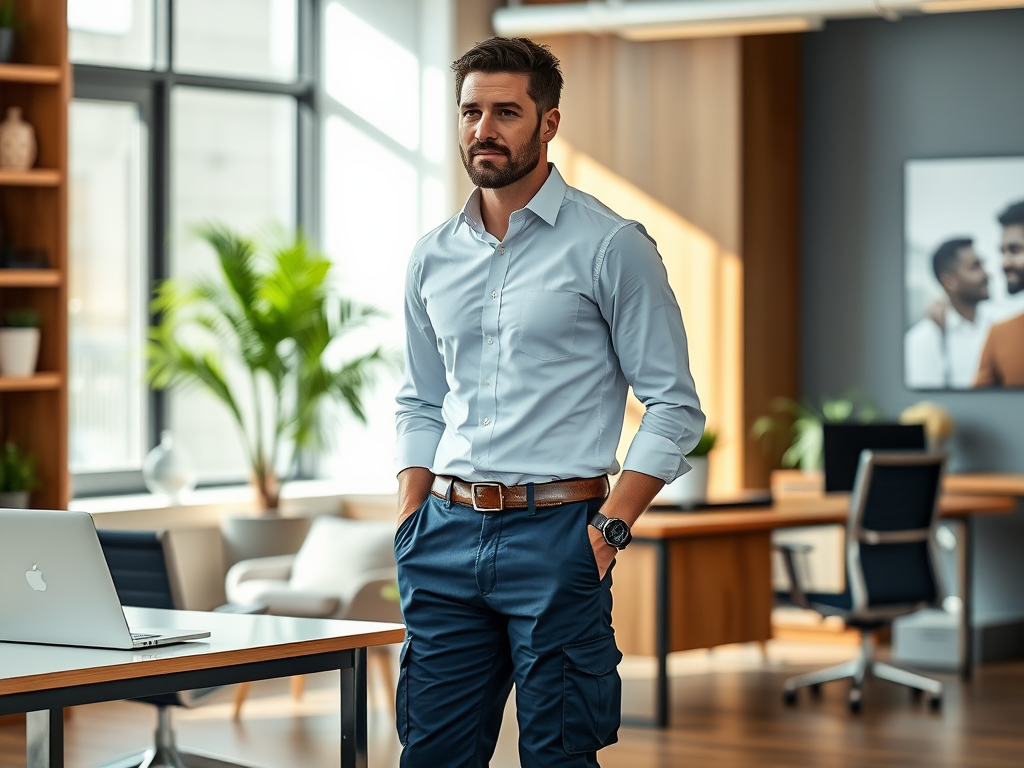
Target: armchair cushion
point(338, 554)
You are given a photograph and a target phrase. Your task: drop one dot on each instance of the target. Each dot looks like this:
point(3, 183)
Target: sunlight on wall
point(359, 61)
point(707, 281)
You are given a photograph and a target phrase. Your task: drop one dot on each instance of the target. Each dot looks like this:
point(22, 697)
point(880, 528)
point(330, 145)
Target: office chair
point(142, 571)
point(891, 567)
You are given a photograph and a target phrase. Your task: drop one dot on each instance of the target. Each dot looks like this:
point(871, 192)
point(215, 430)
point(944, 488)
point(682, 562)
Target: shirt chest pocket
point(547, 326)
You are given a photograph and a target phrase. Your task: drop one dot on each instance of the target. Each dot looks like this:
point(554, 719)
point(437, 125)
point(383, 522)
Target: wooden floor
point(727, 713)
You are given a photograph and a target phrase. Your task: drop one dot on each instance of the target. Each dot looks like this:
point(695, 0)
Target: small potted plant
point(17, 476)
point(692, 488)
point(19, 342)
point(8, 20)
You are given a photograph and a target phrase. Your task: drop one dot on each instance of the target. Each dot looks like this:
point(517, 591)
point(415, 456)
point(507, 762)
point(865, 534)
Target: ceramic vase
point(19, 351)
point(14, 499)
point(17, 142)
point(691, 489)
point(167, 470)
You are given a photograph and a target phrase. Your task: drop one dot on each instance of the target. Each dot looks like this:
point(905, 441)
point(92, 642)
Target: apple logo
point(35, 579)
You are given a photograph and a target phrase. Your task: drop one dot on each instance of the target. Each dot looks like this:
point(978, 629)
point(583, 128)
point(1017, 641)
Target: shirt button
point(490, 340)
point(486, 421)
point(503, 251)
point(487, 382)
point(494, 294)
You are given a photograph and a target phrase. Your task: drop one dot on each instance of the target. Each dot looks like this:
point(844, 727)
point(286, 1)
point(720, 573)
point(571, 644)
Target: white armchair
point(345, 569)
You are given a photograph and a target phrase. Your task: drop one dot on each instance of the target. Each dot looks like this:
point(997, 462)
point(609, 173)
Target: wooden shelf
point(30, 73)
point(36, 177)
point(38, 383)
point(30, 278)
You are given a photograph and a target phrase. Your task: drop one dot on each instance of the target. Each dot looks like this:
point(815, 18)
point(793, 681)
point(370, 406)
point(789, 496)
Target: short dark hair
point(944, 258)
point(518, 55)
point(1013, 215)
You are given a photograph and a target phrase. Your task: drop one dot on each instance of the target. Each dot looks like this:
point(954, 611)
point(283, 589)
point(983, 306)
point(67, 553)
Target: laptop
point(55, 587)
point(843, 443)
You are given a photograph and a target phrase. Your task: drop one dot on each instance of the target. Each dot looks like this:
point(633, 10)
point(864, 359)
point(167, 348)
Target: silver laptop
point(55, 586)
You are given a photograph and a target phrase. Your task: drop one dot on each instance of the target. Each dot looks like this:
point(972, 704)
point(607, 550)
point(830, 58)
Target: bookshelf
point(33, 214)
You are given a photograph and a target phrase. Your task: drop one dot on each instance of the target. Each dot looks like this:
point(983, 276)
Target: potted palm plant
point(271, 313)
point(17, 476)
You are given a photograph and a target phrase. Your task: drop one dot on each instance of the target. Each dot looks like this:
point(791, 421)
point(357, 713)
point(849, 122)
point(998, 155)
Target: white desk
point(41, 680)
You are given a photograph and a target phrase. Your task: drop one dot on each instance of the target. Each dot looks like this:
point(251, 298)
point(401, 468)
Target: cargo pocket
point(592, 695)
point(402, 693)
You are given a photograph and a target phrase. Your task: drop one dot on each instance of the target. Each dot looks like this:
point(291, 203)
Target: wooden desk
point(41, 680)
point(994, 484)
point(712, 575)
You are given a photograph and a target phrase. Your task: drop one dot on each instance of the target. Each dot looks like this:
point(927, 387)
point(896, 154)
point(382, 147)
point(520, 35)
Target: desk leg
point(353, 713)
point(44, 732)
point(967, 603)
point(661, 712)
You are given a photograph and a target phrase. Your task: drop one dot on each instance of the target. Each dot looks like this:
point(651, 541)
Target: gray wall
point(876, 94)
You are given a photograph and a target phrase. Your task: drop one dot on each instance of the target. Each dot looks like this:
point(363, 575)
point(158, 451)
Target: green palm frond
point(272, 313)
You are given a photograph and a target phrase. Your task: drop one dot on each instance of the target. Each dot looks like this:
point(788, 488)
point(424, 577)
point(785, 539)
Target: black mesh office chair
point(891, 566)
point(143, 576)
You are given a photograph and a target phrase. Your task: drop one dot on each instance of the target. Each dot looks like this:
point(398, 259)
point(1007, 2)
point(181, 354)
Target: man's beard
point(488, 175)
point(1014, 281)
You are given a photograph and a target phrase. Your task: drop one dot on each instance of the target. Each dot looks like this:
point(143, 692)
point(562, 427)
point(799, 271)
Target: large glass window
point(107, 306)
point(200, 114)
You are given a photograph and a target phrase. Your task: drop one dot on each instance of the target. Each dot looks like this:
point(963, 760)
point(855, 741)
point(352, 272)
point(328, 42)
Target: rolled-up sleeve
point(632, 291)
point(418, 421)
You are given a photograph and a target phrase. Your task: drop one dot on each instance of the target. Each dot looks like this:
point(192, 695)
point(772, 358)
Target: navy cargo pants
point(492, 598)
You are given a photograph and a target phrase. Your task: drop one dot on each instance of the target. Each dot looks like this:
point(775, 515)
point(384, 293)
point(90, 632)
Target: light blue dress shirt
point(519, 353)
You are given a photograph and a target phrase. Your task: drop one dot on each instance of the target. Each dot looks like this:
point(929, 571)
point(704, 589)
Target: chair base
point(165, 753)
point(858, 670)
point(164, 758)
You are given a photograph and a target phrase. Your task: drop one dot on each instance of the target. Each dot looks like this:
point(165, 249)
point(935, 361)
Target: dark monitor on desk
point(843, 443)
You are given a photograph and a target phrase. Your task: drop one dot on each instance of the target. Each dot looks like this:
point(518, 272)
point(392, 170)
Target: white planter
point(689, 490)
point(19, 351)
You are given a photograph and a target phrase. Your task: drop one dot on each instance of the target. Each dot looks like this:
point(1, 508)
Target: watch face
point(616, 532)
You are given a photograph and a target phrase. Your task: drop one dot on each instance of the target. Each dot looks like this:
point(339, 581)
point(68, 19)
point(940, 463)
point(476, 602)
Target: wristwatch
point(615, 531)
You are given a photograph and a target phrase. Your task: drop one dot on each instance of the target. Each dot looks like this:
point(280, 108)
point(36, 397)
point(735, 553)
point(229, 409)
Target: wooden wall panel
point(771, 239)
point(652, 130)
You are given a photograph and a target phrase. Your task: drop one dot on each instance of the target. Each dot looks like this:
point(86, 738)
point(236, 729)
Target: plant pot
point(247, 537)
point(14, 499)
point(19, 351)
point(691, 489)
point(6, 44)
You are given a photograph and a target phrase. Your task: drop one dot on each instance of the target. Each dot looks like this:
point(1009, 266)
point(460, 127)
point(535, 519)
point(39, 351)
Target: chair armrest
point(369, 603)
point(278, 568)
point(797, 594)
point(300, 603)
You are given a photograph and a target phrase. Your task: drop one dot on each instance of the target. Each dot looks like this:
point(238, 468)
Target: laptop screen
point(843, 444)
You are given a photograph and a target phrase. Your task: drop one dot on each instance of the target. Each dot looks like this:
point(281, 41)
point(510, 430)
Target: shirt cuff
point(416, 449)
point(656, 456)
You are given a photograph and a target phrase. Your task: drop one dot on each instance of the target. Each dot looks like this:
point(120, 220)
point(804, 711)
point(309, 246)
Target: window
point(183, 112)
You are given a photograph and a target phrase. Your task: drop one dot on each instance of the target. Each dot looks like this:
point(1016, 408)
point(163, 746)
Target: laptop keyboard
point(142, 636)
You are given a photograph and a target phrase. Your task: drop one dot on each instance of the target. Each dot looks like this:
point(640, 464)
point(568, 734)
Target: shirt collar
point(546, 203)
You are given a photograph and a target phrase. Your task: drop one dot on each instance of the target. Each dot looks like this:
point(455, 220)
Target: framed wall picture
point(964, 273)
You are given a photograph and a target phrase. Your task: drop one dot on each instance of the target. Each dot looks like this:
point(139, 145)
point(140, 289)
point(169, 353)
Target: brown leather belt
point(495, 497)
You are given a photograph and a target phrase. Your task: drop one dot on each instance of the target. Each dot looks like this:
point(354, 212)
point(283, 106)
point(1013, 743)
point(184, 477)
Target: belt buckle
point(501, 497)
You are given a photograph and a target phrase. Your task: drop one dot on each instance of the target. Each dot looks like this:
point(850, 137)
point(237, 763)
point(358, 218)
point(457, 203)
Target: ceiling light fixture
point(727, 28)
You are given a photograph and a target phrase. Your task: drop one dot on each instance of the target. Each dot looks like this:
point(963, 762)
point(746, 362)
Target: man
point(1002, 359)
point(527, 317)
point(940, 356)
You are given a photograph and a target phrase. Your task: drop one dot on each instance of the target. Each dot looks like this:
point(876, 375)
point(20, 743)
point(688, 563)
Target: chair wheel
point(854, 702)
point(935, 702)
point(789, 697)
point(815, 689)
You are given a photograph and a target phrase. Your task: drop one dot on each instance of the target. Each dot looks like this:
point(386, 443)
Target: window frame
point(151, 90)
